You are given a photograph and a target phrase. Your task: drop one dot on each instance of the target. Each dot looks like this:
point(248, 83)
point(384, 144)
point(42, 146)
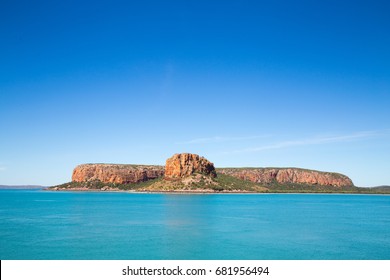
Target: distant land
point(21, 187)
point(382, 188)
point(192, 173)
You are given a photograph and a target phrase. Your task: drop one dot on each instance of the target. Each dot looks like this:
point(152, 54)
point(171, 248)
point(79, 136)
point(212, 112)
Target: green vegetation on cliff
point(196, 183)
point(96, 185)
point(222, 183)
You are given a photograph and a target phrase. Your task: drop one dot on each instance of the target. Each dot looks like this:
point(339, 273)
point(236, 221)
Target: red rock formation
point(182, 165)
point(288, 175)
point(116, 173)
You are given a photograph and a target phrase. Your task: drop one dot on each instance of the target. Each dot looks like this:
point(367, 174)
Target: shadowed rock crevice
point(183, 165)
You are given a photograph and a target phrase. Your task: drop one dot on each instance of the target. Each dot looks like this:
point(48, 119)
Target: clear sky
point(242, 83)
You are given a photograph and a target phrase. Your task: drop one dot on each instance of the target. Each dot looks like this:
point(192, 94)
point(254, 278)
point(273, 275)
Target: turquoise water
point(37, 224)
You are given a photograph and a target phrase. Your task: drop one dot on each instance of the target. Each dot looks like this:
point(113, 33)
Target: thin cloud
point(219, 139)
point(311, 141)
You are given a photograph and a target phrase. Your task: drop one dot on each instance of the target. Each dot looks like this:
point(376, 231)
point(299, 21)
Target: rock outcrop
point(191, 172)
point(288, 175)
point(183, 165)
point(116, 173)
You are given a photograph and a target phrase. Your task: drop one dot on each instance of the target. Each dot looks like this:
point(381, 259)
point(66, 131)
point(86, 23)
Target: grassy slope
point(98, 185)
point(223, 183)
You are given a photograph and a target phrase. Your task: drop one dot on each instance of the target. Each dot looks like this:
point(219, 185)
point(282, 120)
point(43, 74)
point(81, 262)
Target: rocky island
point(193, 173)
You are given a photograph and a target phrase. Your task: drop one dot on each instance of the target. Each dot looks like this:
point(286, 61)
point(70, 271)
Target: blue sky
point(243, 83)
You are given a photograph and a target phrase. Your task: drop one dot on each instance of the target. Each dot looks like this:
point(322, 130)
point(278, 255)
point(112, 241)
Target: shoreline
point(200, 191)
point(80, 190)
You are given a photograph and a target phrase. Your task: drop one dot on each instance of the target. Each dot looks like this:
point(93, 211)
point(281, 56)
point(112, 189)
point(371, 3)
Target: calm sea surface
point(37, 224)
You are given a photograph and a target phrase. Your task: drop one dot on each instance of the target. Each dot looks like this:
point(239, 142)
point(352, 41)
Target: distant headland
point(21, 187)
point(192, 173)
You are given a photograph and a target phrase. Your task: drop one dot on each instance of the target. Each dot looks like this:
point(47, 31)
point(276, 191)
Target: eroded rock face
point(288, 175)
point(117, 173)
point(183, 165)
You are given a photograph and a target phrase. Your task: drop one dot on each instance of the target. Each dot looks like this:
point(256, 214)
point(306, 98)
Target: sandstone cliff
point(193, 173)
point(183, 165)
point(116, 173)
point(288, 175)
point(187, 172)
